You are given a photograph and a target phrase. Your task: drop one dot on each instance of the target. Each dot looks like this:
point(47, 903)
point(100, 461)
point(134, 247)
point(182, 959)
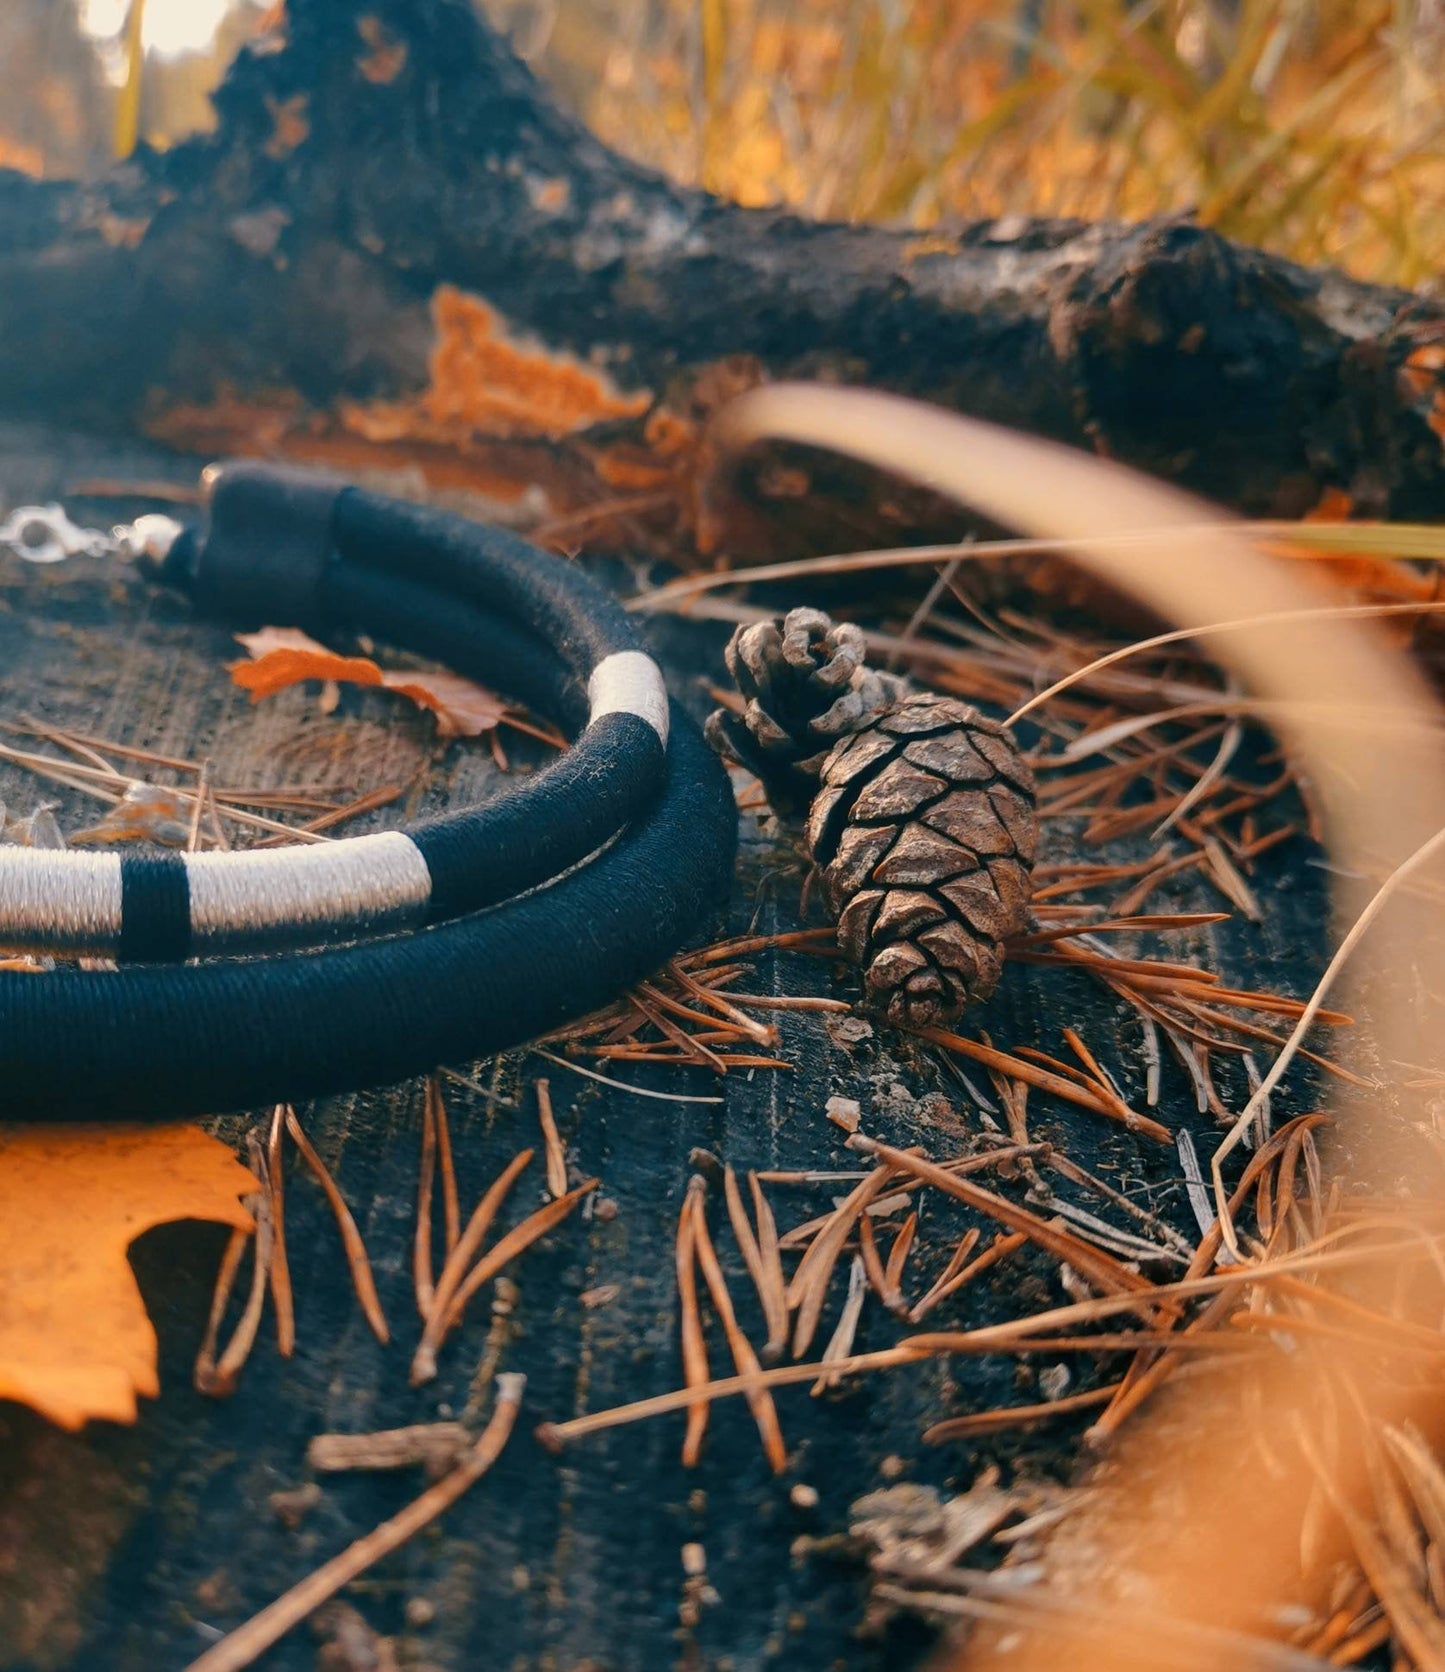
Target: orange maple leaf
point(282, 656)
point(75, 1339)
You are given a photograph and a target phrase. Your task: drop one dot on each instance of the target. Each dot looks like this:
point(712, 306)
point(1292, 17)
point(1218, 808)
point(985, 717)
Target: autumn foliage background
point(1313, 127)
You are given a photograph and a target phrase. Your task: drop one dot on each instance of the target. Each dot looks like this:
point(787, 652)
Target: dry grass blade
point(520, 1238)
point(1310, 1013)
point(760, 1256)
point(1423, 1475)
point(248, 1642)
point(1413, 1619)
point(873, 1265)
point(446, 1166)
point(1279, 618)
point(765, 1413)
point(443, 1311)
point(360, 1266)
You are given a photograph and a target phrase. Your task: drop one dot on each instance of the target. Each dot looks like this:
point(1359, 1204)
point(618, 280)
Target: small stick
point(439, 1316)
point(281, 1297)
point(760, 1402)
point(244, 1645)
point(421, 1257)
point(431, 1443)
point(694, 1349)
point(552, 1141)
point(361, 1278)
point(767, 1278)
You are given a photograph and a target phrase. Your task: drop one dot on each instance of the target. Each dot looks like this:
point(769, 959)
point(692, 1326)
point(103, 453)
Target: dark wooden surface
point(129, 1549)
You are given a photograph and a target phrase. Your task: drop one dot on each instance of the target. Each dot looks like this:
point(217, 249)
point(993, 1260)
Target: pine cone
point(806, 685)
point(925, 830)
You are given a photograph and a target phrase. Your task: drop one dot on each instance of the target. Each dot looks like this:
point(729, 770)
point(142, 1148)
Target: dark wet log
point(388, 181)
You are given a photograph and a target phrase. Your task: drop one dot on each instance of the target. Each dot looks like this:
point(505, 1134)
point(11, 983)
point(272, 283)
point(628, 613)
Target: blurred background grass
point(1313, 127)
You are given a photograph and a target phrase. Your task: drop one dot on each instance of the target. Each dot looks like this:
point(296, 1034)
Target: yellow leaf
point(75, 1340)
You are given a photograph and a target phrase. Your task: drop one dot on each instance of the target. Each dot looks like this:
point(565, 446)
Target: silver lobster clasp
point(44, 534)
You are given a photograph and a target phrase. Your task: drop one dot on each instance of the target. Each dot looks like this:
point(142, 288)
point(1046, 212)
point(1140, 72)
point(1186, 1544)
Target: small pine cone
point(806, 685)
point(925, 830)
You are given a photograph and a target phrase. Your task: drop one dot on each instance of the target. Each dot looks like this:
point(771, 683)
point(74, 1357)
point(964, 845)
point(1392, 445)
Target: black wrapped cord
point(157, 1043)
point(285, 546)
point(161, 1041)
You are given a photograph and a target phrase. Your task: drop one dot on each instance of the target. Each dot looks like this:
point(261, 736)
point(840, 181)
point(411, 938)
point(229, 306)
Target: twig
point(435, 1444)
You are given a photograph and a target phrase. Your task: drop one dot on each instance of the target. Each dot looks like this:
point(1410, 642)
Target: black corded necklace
point(465, 935)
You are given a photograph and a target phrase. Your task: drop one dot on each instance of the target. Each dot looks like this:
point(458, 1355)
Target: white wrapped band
point(59, 902)
point(362, 883)
point(629, 682)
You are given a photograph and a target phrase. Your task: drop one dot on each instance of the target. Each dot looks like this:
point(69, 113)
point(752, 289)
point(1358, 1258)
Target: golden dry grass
point(1310, 126)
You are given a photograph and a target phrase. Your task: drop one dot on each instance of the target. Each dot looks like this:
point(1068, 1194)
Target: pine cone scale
point(922, 856)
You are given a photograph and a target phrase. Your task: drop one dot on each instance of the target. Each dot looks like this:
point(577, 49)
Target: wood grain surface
point(130, 1550)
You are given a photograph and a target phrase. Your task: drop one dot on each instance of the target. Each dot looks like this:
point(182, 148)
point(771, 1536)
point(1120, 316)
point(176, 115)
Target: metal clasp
point(44, 534)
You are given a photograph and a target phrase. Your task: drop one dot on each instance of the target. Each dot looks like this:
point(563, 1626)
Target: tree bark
point(396, 241)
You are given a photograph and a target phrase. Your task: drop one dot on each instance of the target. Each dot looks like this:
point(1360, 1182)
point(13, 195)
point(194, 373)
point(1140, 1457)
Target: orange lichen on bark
point(387, 56)
point(487, 382)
